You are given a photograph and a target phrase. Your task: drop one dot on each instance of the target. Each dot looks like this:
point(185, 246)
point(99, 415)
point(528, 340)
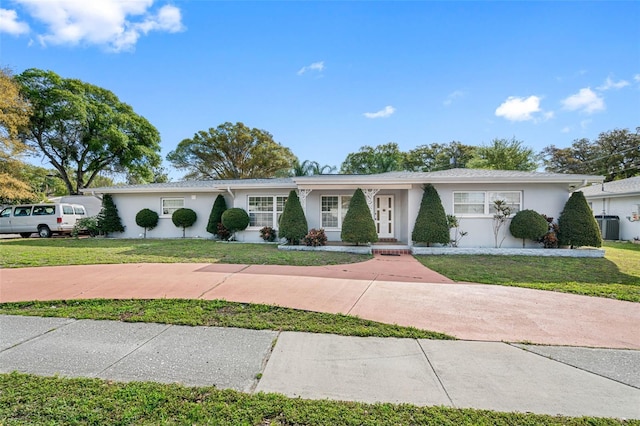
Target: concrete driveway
point(390, 289)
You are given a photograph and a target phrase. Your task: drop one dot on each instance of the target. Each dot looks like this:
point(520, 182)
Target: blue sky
point(326, 78)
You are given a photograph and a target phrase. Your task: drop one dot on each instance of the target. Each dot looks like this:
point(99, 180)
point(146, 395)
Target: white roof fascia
point(367, 185)
point(378, 180)
point(606, 194)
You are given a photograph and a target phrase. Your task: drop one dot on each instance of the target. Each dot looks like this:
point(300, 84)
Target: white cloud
point(316, 66)
point(519, 109)
point(637, 77)
point(115, 24)
point(610, 84)
point(566, 129)
point(383, 113)
point(10, 24)
point(586, 100)
point(457, 94)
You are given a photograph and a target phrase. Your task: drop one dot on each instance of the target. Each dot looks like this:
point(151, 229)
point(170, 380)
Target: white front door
point(383, 210)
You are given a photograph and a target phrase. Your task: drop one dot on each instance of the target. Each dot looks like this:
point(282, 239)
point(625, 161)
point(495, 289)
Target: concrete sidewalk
point(389, 289)
point(483, 375)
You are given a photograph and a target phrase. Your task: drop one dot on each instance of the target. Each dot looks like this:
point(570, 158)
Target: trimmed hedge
point(184, 218)
point(577, 225)
point(147, 219)
point(235, 219)
point(108, 218)
point(528, 225)
point(431, 224)
point(215, 217)
point(358, 225)
point(293, 224)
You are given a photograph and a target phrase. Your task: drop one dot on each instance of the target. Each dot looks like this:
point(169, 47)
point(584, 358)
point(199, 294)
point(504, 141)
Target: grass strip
point(20, 253)
point(617, 276)
point(216, 313)
point(27, 400)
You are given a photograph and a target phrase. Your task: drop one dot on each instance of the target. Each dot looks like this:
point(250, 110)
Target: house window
point(512, 198)
point(265, 210)
point(468, 203)
point(481, 203)
point(170, 205)
point(333, 210)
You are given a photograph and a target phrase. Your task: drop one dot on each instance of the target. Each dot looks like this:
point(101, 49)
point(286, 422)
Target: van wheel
point(44, 232)
point(25, 234)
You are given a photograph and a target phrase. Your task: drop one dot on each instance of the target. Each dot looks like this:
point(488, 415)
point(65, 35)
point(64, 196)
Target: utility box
point(609, 226)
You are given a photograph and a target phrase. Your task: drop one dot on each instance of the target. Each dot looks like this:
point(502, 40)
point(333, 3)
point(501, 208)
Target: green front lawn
point(28, 400)
point(217, 313)
point(617, 276)
point(87, 251)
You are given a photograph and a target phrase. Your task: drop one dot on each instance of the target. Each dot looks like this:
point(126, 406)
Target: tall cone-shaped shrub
point(215, 217)
point(358, 225)
point(431, 224)
point(108, 218)
point(293, 224)
point(577, 225)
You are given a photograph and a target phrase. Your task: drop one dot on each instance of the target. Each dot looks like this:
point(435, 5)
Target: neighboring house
point(618, 198)
point(394, 199)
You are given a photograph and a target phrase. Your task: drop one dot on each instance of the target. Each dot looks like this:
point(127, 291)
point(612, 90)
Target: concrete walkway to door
point(390, 289)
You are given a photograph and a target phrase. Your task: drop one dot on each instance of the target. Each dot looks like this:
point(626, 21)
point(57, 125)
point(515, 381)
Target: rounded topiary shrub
point(358, 225)
point(431, 224)
point(147, 219)
point(293, 224)
point(577, 225)
point(184, 218)
point(235, 219)
point(528, 225)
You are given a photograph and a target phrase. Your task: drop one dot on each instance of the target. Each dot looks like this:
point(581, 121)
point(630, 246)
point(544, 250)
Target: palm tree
point(301, 169)
point(308, 168)
point(320, 170)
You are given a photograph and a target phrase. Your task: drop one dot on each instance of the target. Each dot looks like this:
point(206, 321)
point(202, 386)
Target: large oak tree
point(614, 154)
point(232, 151)
point(82, 130)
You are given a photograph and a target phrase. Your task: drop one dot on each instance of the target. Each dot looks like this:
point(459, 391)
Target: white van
point(45, 219)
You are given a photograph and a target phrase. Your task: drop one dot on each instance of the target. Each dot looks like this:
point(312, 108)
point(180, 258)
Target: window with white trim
point(265, 210)
point(480, 203)
point(333, 210)
point(170, 205)
point(513, 200)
